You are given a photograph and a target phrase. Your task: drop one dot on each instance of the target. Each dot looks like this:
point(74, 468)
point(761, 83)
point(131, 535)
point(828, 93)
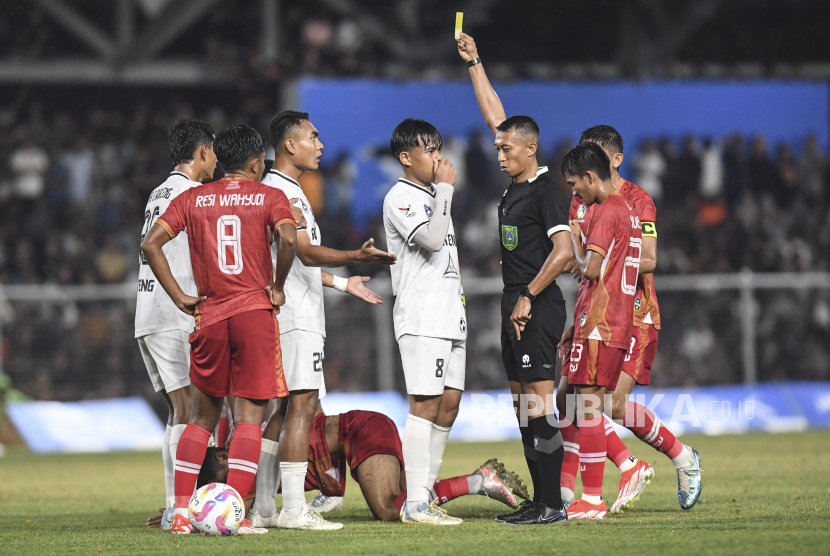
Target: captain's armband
point(649, 229)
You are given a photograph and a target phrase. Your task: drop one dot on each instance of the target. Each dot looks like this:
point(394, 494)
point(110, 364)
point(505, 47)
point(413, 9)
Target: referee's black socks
point(530, 457)
point(549, 453)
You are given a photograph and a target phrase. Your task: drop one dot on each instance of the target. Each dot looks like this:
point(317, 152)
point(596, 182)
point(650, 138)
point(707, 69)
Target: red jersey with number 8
point(605, 306)
point(229, 227)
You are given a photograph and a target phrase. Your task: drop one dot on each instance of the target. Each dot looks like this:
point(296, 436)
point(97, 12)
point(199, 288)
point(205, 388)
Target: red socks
point(650, 429)
point(243, 456)
point(570, 462)
point(189, 457)
point(443, 491)
point(617, 452)
point(592, 453)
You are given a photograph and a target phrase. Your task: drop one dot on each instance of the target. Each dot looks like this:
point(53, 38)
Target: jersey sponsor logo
point(649, 229)
point(428, 211)
point(407, 210)
point(232, 185)
point(452, 271)
point(146, 285)
point(509, 237)
point(580, 213)
point(305, 206)
point(637, 304)
point(450, 240)
point(525, 361)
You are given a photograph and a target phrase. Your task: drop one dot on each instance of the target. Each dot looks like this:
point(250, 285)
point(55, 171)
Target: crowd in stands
point(73, 185)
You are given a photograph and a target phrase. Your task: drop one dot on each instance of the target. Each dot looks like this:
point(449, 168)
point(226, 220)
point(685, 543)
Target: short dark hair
point(237, 145)
point(411, 134)
point(210, 468)
point(585, 157)
point(603, 135)
point(524, 125)
point(285, 121)
point(187, 135)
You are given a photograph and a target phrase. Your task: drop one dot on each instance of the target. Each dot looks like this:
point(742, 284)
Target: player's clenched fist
point(277, 297)
point(467, 48)
point(187, 303)
point(444, 172)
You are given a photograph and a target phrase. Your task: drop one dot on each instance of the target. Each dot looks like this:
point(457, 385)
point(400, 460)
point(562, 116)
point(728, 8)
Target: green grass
point(763, 494)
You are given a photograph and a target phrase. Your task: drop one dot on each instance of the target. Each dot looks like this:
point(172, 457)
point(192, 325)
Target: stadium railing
point(383, 350)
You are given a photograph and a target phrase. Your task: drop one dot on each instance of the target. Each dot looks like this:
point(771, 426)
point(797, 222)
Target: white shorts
point(167, 358)
point(302, 360)
point(432, 364)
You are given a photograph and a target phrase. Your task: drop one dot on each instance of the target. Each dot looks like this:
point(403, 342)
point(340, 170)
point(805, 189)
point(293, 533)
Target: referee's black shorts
point(534, 356)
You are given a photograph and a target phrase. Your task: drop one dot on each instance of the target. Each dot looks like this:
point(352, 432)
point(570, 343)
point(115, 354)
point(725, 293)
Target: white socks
point(175, 434)
point(592, 499)
point(685, 459)
point(437, 444)
point(169, 473)
point(267, 479)
point(416, 442)
point(567, 495)
point(293, 487)
point(627, 464)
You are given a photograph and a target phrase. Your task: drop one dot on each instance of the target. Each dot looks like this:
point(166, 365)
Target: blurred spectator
point(650, 167)
point(79, 163)
point(711, 171)
point(111, 262)
point(29, 164)
point(812, 168)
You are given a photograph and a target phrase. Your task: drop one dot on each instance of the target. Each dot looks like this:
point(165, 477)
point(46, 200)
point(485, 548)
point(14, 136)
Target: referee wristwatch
point(526, 293)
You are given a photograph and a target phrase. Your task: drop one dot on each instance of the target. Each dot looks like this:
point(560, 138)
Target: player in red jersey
point(369, 443)
point(235, 345)
point(635, 474)
point(608, 257)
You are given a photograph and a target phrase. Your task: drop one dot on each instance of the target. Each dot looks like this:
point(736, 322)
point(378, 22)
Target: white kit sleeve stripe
point(559, 228)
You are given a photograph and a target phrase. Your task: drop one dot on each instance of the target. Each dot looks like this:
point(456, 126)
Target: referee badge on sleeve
point(509, 237)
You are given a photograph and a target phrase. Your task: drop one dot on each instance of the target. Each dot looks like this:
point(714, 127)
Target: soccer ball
point(216, 508)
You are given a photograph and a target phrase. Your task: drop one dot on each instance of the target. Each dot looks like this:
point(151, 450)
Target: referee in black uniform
point(535, 249)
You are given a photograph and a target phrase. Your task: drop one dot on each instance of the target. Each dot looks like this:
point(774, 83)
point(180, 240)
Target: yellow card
point(459, 19)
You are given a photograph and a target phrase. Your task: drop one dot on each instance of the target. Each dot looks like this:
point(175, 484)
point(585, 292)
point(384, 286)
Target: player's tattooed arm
point(286, 250)
point(151, 247)
point(355, 287)
point(488, 101)
point(317, 255)
point(588, 261)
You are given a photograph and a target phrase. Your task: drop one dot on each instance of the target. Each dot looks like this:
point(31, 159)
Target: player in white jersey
point(429, 314)
point(302, 327)
point(161, 328)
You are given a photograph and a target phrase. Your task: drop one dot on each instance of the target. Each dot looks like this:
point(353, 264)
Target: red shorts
point(592, 363)
point(240, 355)
point(364, 434)
point(641, 353)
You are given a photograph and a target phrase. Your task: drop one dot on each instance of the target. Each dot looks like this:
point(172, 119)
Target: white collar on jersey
point(283, 176)
point(182, 174)
point(430, 191)
point(542, 170)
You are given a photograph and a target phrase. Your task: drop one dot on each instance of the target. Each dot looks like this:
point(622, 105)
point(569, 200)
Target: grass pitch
point(762, 494)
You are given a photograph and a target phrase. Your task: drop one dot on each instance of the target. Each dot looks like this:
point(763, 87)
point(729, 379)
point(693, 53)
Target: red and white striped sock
point(650, 429)
point(617, 452)
point(592, 454)
point(243, 456)
point(570, 461)
point(189, 457)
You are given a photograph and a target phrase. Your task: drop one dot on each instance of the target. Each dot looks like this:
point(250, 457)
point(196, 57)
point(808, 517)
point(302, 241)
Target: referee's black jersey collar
point(286, 178)
point(430, 191)
point(542, 170)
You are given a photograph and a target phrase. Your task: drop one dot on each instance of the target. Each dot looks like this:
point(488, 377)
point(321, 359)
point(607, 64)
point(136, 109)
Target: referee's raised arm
point(488, 101)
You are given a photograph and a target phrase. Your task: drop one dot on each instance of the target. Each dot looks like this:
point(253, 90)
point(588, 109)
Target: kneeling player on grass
point(636, 369)
point(369, 443)
point(608, 258)
point(235, 346)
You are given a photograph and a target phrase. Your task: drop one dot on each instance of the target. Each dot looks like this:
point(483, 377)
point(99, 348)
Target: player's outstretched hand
point(371, 254)
point(187, 304)
point(275, 296)
point(565, 343)
point(356, 288)
point(521, 315)
point(155, 521)
point(297, 213)
point(467, 48)
point(443, 171)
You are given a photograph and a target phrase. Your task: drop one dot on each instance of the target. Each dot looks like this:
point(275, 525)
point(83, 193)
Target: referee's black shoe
point(537, 513)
